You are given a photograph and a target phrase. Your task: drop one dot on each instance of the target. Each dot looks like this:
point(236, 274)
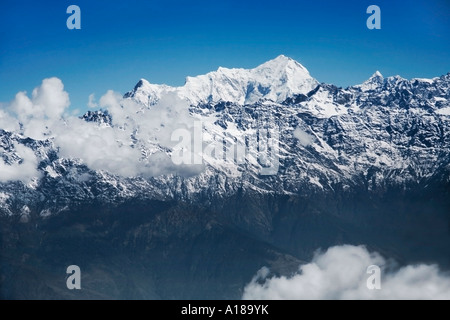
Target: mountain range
point(367, 164)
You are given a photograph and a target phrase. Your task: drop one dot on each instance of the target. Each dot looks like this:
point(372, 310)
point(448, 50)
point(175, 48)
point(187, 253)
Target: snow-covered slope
point(372, 83)
point(274, 80)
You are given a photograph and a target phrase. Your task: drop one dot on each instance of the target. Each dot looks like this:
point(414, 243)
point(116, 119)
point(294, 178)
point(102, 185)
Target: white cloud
point(37, 115)
point(133, 145)
point(341, 273)
point(23, 170)
point(303, 137)
point(7, 122)
point(23, 107)
point(136, 143)
point(91, 102)
point(51, 98)
point(111, 100)
point(33, 118)
point(101, 148)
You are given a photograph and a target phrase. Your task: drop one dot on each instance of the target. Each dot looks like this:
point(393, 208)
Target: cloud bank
point(341, 273)
point(20, 170)
point(37, 115)
point(32, 117)
point(304, 138)
point(134, 144)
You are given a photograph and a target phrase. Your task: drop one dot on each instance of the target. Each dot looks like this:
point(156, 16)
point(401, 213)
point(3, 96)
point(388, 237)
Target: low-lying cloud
point(304, 138)
point(341, 273)
point(22, 169)
point(136, 143)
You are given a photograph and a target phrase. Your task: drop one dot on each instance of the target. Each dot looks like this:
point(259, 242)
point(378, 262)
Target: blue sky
point(164, 41)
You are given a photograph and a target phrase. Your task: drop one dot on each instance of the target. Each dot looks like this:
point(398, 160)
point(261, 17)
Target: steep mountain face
point(320, 165)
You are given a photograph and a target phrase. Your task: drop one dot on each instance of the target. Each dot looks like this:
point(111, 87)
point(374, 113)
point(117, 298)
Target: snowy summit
point(274, 80)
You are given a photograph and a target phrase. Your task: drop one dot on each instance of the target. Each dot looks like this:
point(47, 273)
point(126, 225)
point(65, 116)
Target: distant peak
point(273, 80)
point(373, 82)
point(282, 57)
point(141, 82)
point(283, 62)
point(377, 74)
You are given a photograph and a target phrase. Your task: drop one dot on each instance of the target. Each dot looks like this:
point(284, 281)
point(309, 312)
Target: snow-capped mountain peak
point(283, 64)
point(372, 83)
point(146, 93)
point(377, 74)
point(273, 80)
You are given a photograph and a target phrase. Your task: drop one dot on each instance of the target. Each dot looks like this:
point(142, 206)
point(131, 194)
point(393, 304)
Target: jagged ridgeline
point(368, 164)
